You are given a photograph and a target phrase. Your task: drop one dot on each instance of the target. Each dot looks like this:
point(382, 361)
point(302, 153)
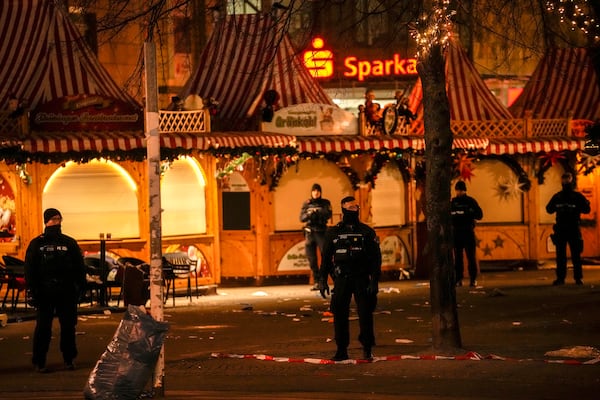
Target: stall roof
point(246, 56)
point(44, 57)
point(564, 81)
point(469, 97)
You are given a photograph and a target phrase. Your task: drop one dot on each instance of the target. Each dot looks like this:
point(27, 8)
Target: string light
point(576, 13)
point(433, 29)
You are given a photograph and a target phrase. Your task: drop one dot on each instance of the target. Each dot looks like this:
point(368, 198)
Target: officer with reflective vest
point(55, 275)
point(352, 257)
point(568, 205)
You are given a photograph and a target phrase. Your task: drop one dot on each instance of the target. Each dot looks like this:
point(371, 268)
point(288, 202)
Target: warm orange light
point(318, 43)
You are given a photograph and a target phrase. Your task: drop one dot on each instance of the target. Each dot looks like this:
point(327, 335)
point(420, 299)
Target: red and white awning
point(469, 97)
point(226, 140)
point(534, 145)
point(246, 56)
point(564, 81)
point(44, 57)
point(124, 141)
point(339, 144)
point(82, 141)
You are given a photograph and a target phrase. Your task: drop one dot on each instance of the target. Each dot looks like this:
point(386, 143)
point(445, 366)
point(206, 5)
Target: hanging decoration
point(379, 160)
point(233, 165)
point(509, 187)
point(23, 174)
point(548, 160)
point(587, 163)
point(463, 165)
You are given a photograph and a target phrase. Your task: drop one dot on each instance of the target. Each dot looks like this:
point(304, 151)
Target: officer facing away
point(55, 275)
point(568, 206)
point(315, 213)
point(464, 211)
point(352, 257)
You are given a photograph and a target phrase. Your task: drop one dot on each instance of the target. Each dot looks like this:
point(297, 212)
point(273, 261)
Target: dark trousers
point(574, 240)
point(465, 241)
point(344, 288)
point(66, 311)
point(314, 240)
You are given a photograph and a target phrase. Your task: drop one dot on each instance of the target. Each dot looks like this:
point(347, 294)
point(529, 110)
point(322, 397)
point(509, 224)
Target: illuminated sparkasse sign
point(362, 69)
point(321, 61)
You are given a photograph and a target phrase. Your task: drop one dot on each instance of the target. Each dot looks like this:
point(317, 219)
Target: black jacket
point(315, 213)
point(54, 264)
point(568, 206)
point(351, 250)
point(464, 211)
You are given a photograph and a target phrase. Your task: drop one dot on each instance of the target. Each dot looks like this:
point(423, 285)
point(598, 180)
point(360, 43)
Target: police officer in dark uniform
point(55, 275)
point(464, 211)
point(568, 205)
point(315, 213)
point(352, 257)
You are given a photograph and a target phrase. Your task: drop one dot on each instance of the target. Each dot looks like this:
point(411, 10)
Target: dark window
point(236, 211)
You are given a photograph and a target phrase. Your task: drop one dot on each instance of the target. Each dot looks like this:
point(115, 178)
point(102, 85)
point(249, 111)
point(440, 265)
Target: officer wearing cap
point(464, 211)
point(55, 275)
point(352, 257)
point(315, 213)
point(568, 205)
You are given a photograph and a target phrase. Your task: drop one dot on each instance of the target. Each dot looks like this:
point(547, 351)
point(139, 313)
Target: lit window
point(183, 199)
point(93, 198)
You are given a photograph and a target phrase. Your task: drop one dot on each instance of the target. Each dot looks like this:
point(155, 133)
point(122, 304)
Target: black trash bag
point(129, 360)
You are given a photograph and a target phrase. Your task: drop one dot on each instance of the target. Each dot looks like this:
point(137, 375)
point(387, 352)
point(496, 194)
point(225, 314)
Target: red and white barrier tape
point(471, 356)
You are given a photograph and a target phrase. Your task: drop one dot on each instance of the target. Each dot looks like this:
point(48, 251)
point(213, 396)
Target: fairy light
point(577, 14)
point(433, 29)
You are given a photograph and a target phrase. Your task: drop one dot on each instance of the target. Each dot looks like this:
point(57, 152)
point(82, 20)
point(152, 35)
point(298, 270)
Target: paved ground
point(508, 325)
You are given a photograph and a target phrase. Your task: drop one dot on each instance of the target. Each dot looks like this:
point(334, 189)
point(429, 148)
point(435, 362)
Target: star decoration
point(508, 188)
point(588, 162)
point(464, 165)
point(487, 250)
point(498, 242)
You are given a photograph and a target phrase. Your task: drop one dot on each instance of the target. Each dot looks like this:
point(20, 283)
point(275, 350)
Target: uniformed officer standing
point(315, 213)
point(352, 257)
point(55, 275)
point(464, 211)
point(568, 206)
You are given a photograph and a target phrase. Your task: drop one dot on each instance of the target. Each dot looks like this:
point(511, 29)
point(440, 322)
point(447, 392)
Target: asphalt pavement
point(522, 338)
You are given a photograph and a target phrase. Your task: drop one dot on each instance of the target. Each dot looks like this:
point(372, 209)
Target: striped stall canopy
point(66, 142)
point(226, 141)
point(44, 57)
point(564, 81)
point(246, 56)
point(339, 144)
point(534, 145)
point(125, 141)
point(469, 97)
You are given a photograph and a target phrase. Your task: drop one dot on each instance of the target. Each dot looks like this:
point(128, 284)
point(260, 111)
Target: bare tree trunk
point(438, 158)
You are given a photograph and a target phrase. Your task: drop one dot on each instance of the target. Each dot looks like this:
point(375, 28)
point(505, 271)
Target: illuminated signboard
point(396, 66)
point(320, 62)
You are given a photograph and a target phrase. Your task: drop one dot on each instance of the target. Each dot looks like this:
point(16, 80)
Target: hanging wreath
point(547, 160)
point(379, 160)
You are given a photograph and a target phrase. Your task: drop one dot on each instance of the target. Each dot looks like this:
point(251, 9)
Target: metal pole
point(153, 155)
